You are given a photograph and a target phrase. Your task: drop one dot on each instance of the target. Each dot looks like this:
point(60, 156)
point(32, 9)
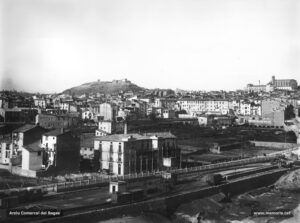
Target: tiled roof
point(34, 147)
point(54, 132)
point(24, 128)
point(135, 136)
point(121, 137)
point(87, 140)
point(160, 134)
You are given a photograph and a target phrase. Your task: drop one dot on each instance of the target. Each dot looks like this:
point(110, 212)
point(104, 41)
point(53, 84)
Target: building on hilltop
point(259, 88)
point(284, 84)
point(279, 84)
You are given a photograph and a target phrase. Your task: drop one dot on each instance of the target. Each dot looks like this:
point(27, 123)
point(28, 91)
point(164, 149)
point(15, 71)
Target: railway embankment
point(168, 204)
point(289, 182)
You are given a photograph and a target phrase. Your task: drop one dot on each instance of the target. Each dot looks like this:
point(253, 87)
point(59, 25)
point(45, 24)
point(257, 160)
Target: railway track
point(180, 191)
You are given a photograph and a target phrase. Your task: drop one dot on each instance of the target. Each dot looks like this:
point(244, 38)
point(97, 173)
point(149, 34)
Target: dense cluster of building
point(32, 150)
point(274, 84)
point(57, 133)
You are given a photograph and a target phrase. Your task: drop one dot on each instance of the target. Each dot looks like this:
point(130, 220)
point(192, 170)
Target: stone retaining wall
point(274, 145)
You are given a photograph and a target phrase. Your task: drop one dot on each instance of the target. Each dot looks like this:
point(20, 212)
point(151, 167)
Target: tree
point(152, 116)
point(289, 112)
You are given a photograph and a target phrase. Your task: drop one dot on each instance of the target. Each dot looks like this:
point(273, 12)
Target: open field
point(195, 146)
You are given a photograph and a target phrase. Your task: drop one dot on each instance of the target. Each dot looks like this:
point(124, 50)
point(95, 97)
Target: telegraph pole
point(152, 162)
point(135, 161)
point(141, 163)
point(129, 161)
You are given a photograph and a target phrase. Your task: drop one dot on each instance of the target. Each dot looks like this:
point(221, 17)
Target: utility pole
point(141, 163)
point(152, 162)
point(243, 144)
point(135, 161)
point(129, 161)
point(180, 157)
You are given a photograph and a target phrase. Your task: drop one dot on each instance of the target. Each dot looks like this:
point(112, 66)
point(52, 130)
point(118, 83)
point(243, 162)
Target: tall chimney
point(125, 127)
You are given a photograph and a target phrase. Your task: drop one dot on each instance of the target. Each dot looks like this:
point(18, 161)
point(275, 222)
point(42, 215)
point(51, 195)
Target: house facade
point(132, 153)
point(62, 150)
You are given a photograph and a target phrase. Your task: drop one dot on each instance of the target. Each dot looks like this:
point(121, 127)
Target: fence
point(223, 164)
point(102, 180)
point(287, 151)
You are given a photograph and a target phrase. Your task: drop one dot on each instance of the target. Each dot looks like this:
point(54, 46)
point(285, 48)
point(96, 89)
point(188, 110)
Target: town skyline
point(149, 110)
point(259, 83)
point(50, 46)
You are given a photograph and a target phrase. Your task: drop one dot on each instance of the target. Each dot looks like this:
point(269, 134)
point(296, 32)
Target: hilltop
point(106, 87)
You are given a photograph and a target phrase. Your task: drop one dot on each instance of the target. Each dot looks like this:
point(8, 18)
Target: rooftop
point(6, 140)
point(122, 137)
point(160, 134)
point(34, 147)
point(25, 128)
point(87, 140)
point(134, 136)
point(285, 80)
point(54, 132)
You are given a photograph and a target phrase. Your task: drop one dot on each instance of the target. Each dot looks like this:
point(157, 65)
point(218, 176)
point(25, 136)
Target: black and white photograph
point(149, 111)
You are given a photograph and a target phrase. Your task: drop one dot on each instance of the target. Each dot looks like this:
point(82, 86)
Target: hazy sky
point(51, 45)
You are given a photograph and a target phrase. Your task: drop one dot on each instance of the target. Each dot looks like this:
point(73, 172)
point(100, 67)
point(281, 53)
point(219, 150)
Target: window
point(120, 147)
point(91, 149)
point(111, 147)
point(111, 167)
point(39, 153)
point(119, 169)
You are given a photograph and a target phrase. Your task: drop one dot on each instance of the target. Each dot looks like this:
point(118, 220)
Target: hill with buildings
point(105, 87)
